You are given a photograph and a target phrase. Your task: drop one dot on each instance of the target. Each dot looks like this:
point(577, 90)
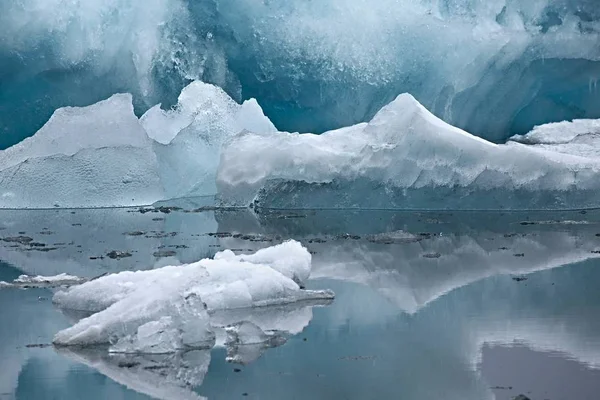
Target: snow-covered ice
point(96, 156)
point(103, 156)
point(580, 137)
point(166, 309)
point(405, 157)
point(208, 144)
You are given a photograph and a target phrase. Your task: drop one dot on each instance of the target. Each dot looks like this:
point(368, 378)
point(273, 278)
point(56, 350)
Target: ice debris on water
point(28, 281)
point(168, 308)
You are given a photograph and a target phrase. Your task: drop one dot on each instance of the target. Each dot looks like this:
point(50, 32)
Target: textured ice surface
point(102, 155)
point(164, 309)
point(191, 136)
point(44, 281)
point(579, 137)
point(405, 157)
point(95, 156)
point(153, 319)
point(288, 258)
point(492, 67)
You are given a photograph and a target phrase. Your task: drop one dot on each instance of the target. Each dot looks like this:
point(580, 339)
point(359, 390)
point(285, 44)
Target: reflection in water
point(169, 376)
point(428, 306)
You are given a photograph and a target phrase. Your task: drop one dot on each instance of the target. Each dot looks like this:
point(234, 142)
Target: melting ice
point(167, 309)
point(404, 158)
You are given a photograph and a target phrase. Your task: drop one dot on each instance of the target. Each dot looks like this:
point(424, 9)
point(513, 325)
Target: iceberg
point(96, 156)
point(165, 309)
point(190, 136)
point(580, 137)
point(404, 158)
point(27, 281)
point(103, 156)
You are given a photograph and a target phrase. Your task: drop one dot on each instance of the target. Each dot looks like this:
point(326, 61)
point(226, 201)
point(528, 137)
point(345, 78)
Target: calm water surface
point(428, 306)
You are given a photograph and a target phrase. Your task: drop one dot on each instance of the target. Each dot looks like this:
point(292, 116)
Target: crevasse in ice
point(405, 157)
point(166, 309)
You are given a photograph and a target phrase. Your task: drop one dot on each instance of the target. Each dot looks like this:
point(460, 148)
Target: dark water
point(428, 306)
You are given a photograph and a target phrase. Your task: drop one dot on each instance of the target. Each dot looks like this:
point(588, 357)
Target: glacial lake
point(429, 305)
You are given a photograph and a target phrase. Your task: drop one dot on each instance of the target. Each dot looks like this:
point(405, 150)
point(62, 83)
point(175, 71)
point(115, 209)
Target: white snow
point(164, 309)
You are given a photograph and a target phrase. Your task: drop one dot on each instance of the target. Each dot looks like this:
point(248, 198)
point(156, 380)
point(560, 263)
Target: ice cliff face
point(495, 68)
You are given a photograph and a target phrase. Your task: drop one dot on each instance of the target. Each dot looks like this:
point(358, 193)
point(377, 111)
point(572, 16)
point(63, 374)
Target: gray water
point(428, 305)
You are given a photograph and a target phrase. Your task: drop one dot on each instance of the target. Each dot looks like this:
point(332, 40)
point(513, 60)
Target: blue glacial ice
point(495, 68)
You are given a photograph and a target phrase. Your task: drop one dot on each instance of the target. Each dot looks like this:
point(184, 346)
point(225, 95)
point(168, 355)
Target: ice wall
point(313, 66)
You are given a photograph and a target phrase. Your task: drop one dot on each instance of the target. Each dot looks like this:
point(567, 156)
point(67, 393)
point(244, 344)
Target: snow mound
point(405, 157)
point(166, 309)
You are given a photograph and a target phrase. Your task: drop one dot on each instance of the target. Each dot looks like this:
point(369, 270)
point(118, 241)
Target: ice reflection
point(428, 305)
point(169, 376)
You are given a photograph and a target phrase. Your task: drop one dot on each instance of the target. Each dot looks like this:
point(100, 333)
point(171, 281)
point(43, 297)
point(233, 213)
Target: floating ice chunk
point(156, 319)
point(559, 132)
point(289, 258)
point(44, 281)
point(162, 309)
point(94, 156)
point(228, 281)
point(580, 137)
point(191, 136)
point(405, 157)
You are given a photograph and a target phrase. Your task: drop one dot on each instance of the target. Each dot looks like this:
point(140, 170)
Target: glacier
point(166, 309)
point(495, 68)
point(404, 158)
